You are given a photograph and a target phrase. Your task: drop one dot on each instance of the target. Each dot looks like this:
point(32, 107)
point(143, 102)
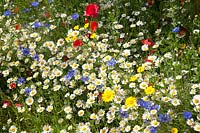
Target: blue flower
point(153, 129)
point(47, 25)
point(35, 4)
point(187, 115)
point(21, 80)
point(144, 104)
point(25, 51)
point(176, 29)
point(27, 90)
point(164, 118)
point(75, 16)
point(156, 107)
point(37, 25)
point(111, 62)
point(147, 105)
point(123, 114)
point(26, 10)
point(141, 102)
point(99, 86)
point(70, 74)
point(84, 79)
point(36, 57)
point(7, 13)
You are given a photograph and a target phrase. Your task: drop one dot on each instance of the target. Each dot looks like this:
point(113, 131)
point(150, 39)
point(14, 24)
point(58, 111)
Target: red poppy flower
point(7, 103)
point(147, 60)
point(77, 43)
point(148, 42)
point(17, 27)
point(153, 51)
point(93, 26)
point(18, 105)
point(91, 10)
point(12, 86)
point(181, 33)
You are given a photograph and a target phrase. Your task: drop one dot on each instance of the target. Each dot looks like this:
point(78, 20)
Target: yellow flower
point(149, 90)
point(76, 27)
point(93, 36)
point(174, 130)
point(67, 38)
point(133, 78)
point(140, 69)
point(86, 25)
point(183, 46)
point(74, 38)
point(108, 95)
point(130, 101)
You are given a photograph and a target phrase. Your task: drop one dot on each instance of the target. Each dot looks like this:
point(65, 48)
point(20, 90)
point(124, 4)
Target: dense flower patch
point(106, 66)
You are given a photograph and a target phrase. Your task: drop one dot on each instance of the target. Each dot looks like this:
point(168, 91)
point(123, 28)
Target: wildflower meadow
point(104, 66)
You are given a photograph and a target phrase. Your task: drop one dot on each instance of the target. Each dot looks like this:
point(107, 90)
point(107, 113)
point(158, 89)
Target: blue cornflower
point(147, 105)
point(111, 62)
point(70, 74)
point(35, 4)
point(37, 25)
point(27, 90)
point(25, 51)
point(153, 129)
point(46, 25)
point(144, 104)
point(21, 80)
point(164, 118)
point(75, 16)
point(7, 13)
point(187, 115)
point(84, 79)
point(26, 10)
point(141, 102)
point(156, 107)
point(36, 57)
point(176, 29)
point(123, 114)
point(99, 86)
